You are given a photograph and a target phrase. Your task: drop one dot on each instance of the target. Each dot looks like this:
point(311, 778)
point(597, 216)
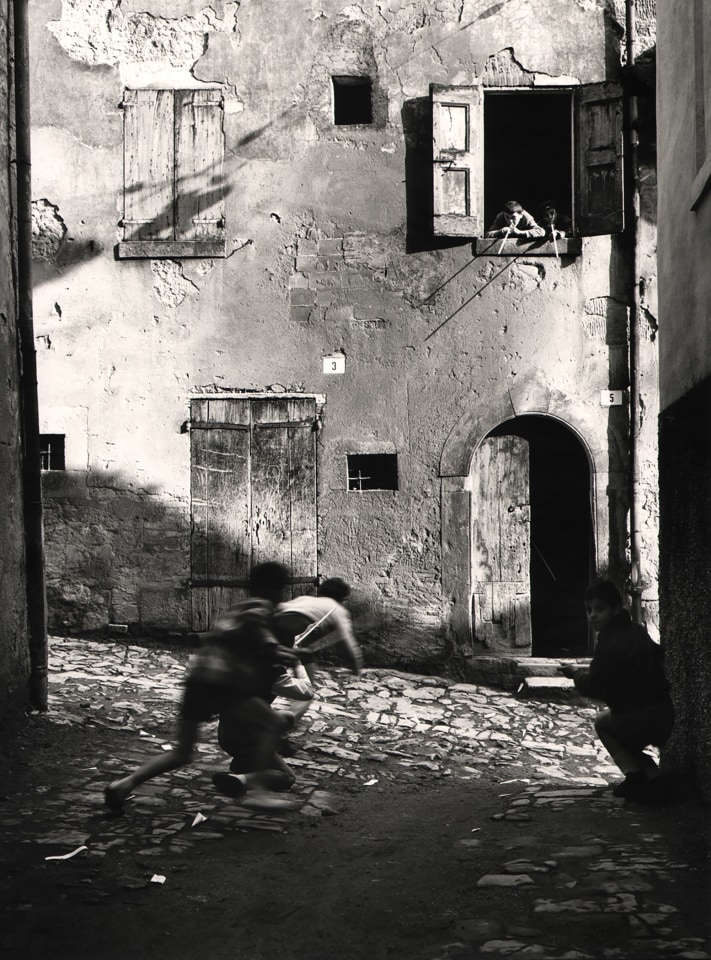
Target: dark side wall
point(684, 154)
point(14, 649)
point(685, 536)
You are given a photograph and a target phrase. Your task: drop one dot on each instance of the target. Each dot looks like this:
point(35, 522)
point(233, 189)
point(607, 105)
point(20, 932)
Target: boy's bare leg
point(629, 760)
point(299, 707)
point(179, 756)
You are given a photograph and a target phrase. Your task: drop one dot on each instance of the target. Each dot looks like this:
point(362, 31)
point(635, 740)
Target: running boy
point(312, 623)
point(234, 673)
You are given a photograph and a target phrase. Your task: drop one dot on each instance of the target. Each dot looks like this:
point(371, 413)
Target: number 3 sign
point(335, 363)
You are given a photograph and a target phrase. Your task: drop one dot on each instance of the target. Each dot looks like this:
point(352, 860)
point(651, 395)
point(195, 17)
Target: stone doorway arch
point(499, 415)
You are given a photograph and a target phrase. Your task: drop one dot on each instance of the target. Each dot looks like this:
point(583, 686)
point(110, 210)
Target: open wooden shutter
point(198, 165)
point(501, 546)
point(458, 155)
point(600, 151)
point(148, 165)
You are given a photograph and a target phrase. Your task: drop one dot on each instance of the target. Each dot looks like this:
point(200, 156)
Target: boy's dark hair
point(604, 590)
point(334, 588)
point(512, 206)
point(267, 579)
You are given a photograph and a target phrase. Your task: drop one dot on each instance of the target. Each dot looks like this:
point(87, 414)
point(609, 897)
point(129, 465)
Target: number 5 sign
point(334, 363)
point(611, 398)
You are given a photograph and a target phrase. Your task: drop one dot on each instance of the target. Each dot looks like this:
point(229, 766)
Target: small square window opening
point(52, 451)
point(372, 471)
point(352, 100)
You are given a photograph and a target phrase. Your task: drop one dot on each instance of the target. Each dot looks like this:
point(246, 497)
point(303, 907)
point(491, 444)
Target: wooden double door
point(253, 496)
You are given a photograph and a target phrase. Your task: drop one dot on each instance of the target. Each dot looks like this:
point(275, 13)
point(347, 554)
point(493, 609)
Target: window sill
point(169, 249)
point(537, 246)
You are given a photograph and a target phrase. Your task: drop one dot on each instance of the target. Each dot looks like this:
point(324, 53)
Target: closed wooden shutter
point(220, 540)
point(198, 165)
point(149, 162)
point(501, 553)
point(253, 492)
point(173, 165)
point(600, 187)
point(458, 156)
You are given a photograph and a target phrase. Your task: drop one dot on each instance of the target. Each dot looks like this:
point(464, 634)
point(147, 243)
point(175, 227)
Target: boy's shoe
point(264, 800)
point(659, 790)
point(114, 797)
point(229, 784)
point(632, 783)
point(287, 747)
point(278, 780)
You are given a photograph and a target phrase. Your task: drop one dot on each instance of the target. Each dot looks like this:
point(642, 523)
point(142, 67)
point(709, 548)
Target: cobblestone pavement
point(381, 726)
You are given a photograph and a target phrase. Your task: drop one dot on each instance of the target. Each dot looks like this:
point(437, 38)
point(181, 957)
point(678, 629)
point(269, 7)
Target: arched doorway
point(560, 544)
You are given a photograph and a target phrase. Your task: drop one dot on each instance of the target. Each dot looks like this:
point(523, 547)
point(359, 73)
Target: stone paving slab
point(383, 726)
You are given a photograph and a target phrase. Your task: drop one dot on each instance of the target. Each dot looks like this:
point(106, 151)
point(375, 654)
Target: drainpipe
point(632, 228)
point(32, 478)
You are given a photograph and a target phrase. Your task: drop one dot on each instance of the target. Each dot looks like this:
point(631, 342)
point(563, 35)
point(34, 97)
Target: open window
point(372, 471)
point(352, 100)
point(173, 176)
point(530, 145)
point(51, 451)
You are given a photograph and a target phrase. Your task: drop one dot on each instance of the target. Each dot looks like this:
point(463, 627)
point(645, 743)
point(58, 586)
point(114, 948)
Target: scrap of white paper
point(199, 818)
point(369, 783)
point(157, 878)
point(67, 856)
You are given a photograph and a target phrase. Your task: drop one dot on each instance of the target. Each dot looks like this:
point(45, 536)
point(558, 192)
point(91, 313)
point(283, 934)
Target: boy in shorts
point(234, 673)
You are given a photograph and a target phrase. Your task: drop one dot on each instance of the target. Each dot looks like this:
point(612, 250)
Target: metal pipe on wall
point(32, 477)
point(632, 229)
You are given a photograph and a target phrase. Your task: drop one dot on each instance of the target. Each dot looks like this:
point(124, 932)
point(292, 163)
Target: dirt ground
point(390, 868)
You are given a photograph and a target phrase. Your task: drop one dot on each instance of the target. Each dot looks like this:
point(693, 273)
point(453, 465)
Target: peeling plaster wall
point(320, 225)
point(14, 643)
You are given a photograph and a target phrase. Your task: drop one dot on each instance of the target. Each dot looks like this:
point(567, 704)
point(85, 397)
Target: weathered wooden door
point(253, 496)
point(501, 601)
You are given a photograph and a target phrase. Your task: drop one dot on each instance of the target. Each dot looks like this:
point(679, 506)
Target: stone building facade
point(270, 324)
point(685, 373)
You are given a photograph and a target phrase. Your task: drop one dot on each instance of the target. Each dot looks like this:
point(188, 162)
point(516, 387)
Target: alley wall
point(685, 374)
point(14, 644)
point(328, 250)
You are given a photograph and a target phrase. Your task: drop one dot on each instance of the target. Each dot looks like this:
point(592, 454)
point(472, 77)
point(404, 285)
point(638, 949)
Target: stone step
point(548, 666)
point(548, 688)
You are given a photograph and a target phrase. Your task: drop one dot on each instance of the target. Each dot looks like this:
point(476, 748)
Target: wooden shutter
point(253, 491)
point(198, 165)
point(302, 493)
point(148, 165)
point(458, 155)
point(220, 503)
point(501, 546)
point(284, 486)
point(600, 151)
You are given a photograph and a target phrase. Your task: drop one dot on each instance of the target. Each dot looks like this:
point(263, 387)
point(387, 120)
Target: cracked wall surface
point(329, 249)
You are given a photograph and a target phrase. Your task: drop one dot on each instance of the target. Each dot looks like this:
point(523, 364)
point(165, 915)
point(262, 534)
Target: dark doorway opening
point(562, 554)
